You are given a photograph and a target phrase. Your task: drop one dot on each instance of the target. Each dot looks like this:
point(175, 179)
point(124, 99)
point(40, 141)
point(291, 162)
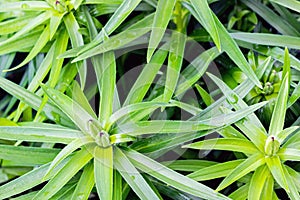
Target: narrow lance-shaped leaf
point(193, 72)
point(103, 169)
point(32, 179)
point(275, 166)
point(257, 182)
point(67, 150)
point(257, 137)
point(162, 17)
point(14, 25)
point(176, 54)
point(215, 171)
point(204, 13)
point(268, 190)
point(294, 192)
point(77, 41)
point(113, 23)
point(172, 126)
point(85, 183)
point(171, 177)
point(107, 85)
point(134, 108)
point(132, 176)
point(24, 5)
point(230, 47)
point(291, 4)
point(34, 23)
point(268, 39)
point(229, 144)
point(75, 112)
point(278, 116)
point(39, 134)
point(39, 45)
point(79, 160)
point(34, 101)
point(146, 77)
point(272, 18)
point(27, 156)
point(250, 164)
point(79, 96)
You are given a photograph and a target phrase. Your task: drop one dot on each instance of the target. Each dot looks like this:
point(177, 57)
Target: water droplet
point(25, 6)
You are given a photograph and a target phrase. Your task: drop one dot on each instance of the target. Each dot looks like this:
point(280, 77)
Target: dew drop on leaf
point(25, 6)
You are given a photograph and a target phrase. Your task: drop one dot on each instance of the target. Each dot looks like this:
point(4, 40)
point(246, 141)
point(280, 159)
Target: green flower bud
point(272, 146)
point(102, 139)
point(268, 89)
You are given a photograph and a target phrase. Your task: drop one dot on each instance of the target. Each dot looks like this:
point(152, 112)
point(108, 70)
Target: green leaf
point(117, 41)
point(275, 166)
point(67, 150)
point(171, 177)
point(188, 165)
point(268, 39)
point(79, 97)
point(33, 24)
point(39, 134)
point(251, 122)
point(162, 17)
point(85, 183)
point(76, 113)
point(25, 6)
point(39, 45)
point(257, 182)
point(146, 77)
point(27, 41)
point(27, 156)
point(207, 19)
point(291, 4)
point(268, 190)
point(208, 100)
point(293, 139)
point(240, 193)
point(295, 96)
point(107, 80)
point(277, 120)
point(273, 19)
point(14, 25)
point(230, 47)
point(193, 72)
point(103, 169)
point(32, 179)
point(229, 144)
point(118, 189)
point(250, 164)
point(123, 11)
point(76, 41)
point(293, 194)
point(215, 171)
point(132, 176)
point(282, 135)
point(173, 126)
point(186, 107)
point(134, 108)
point(289, 153)
point(176, 54)
point(6, 122)
point(79, 160)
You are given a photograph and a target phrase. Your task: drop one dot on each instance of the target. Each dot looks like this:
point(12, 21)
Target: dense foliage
point(149, 99)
